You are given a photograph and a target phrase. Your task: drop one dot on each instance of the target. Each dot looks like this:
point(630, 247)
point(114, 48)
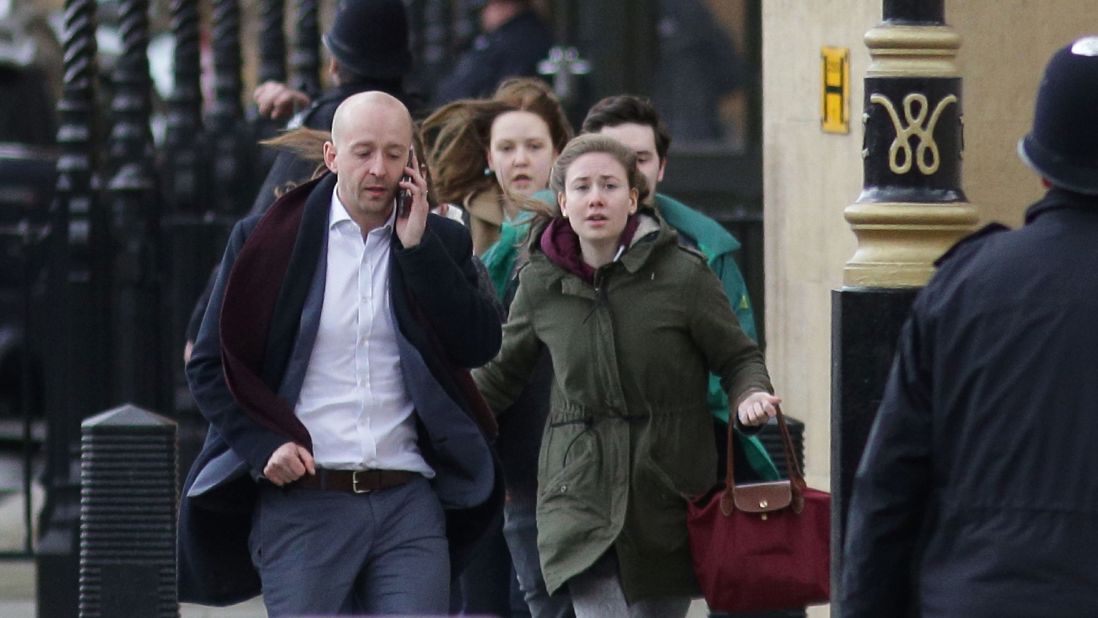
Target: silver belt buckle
point(354, 483)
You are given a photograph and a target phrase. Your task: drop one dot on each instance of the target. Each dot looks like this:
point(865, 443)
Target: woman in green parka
point(634, 324)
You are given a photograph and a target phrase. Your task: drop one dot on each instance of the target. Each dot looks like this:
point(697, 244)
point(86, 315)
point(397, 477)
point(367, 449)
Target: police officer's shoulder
point(968, 245)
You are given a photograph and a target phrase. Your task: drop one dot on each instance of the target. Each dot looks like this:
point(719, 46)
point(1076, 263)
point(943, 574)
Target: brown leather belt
point(355, 481)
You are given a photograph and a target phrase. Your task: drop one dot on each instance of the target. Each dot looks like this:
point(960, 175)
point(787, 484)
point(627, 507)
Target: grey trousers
point(328, 552)
point(597, 593)
point(521, 531)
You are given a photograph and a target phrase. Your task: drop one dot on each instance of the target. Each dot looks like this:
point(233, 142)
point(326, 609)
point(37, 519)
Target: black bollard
point(128, 515)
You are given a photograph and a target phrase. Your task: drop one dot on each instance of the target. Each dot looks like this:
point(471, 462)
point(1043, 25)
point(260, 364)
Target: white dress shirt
point(354, 401)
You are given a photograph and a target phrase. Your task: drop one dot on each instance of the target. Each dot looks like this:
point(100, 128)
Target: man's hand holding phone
point(411, 204)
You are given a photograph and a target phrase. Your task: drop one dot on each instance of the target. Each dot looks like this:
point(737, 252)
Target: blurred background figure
point(513, 39)
point(698, 67)
point(29, 78)
point(30, 84)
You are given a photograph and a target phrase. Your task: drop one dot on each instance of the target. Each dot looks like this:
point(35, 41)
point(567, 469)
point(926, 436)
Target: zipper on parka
point(599, 284)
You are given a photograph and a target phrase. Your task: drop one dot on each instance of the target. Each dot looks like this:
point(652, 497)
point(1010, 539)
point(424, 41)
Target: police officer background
point(977, 494)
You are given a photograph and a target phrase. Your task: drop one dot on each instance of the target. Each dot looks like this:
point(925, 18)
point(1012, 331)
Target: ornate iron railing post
point(77, 380)
point(192, 239)
point(272, 67)
point(911, 209)
point(135, 215)
point(229, 137)
point(305, 59)
point(183, 170)
point(272, 41)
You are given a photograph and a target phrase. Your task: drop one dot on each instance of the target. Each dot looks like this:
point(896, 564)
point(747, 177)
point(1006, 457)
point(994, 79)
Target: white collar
point(338, 214)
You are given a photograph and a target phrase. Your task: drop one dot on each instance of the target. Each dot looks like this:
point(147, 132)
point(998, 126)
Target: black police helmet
point(370, 37)
point(1063, 145)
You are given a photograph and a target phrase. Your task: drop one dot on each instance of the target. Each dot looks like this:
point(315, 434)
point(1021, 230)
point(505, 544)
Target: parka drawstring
point(587, 425)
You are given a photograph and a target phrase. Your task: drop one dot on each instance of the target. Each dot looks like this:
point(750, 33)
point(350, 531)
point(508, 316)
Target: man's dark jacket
point(977, 495)
point(444, 325)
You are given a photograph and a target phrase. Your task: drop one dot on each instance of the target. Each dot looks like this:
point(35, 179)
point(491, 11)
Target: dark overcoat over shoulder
point(977, 495)
point(445, 326)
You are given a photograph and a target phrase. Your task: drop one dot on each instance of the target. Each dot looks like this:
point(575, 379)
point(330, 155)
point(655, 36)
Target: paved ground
point(17, 597)
point(17, 578)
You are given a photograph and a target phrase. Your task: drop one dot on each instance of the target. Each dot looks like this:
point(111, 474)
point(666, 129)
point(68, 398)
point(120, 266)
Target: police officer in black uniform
point(978, 491)
point(368, 43)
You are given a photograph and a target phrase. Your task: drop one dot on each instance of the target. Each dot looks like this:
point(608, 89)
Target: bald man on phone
point(348, 462)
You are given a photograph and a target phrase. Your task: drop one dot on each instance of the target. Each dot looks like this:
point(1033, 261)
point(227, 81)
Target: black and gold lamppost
point(910, 211)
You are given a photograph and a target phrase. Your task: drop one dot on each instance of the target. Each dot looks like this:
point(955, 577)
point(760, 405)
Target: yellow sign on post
point(835, 110)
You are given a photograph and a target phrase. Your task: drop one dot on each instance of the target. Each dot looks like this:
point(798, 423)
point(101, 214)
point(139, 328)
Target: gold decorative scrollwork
point(915, 107)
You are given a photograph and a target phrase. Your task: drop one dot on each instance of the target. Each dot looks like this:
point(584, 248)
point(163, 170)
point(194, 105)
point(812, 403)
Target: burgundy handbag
point(762, 546)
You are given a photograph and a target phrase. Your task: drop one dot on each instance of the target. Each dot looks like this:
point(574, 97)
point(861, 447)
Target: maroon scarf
point(560, 244)
point(253, 368)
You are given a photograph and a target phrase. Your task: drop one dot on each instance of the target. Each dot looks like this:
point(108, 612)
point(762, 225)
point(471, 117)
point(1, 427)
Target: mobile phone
point(404, 196)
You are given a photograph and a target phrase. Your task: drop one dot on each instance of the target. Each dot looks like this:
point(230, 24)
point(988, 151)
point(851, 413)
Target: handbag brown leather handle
point(770, 496)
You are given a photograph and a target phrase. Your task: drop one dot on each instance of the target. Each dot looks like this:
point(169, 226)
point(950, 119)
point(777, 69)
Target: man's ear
point(659, 177)
point(329, 156)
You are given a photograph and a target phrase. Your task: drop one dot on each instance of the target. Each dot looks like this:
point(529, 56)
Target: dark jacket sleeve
point(199, 310)
point(891, 488)
point(502, 380)
point(440, 274)
point(206, 378)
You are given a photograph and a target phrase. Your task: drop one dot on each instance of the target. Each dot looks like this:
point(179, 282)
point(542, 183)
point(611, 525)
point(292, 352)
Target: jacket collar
point(485, 205)
point(651, 232)
point(1057, 199)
